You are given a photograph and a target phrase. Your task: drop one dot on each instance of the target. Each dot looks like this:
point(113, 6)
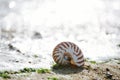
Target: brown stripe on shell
point(55, 55)
point(66, 44)
point(61, 48)
point(82, 64)
point(55, 52)
point(80, 57)
point(77, 50)
point(72, 44)
point(63, 44)
point(80, 51)
point(74, 47)
point(58, 60)
point(81, 61)
point(76, 54)
point(55, 58)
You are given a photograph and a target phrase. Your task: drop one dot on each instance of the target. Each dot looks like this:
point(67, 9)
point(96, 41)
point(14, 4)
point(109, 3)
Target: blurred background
point(30, 29)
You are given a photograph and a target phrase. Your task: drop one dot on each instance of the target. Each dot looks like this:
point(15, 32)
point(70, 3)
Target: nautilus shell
point(68, 53)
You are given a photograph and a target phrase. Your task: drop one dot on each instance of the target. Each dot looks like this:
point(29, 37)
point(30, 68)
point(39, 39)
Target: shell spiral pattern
point(68, 53)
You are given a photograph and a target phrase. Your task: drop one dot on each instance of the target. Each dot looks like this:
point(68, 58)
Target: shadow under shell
point(66, 69)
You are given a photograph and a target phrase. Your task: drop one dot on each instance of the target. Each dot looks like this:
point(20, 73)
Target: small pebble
point(107, 69)
point(29, 62)
point(11, 47)
point(118, 45)
point(37, 35)
point(17, 61)
point(108, 75)
point(18, 51)
point(95, 69)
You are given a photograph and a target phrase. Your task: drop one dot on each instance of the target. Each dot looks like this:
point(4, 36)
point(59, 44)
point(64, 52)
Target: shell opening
point(69, 58)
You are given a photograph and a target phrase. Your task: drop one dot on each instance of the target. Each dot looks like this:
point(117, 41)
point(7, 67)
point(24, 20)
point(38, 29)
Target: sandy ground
point(98, 71)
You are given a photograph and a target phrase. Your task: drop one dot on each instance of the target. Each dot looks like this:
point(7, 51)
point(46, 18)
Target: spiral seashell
point(68, 53)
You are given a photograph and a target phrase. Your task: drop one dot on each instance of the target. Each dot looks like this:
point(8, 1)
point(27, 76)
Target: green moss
point(118, 62)
point(57, 66)
point(35, 56)
point(41, 70)
point(93, 62)
point(4, 75)
point(27, 70)
point(52, 78)
point(88, 60)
